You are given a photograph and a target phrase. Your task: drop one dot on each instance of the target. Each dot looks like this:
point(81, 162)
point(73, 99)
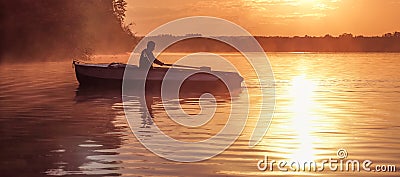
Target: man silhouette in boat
point(147, 58)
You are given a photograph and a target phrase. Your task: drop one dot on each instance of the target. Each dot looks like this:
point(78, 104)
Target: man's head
point(151, 45)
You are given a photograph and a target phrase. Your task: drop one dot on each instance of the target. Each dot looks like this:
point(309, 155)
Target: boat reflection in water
point(187, 98)
point(151, 111)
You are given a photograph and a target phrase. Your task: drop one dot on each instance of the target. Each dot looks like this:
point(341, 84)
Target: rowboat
point(112, 75)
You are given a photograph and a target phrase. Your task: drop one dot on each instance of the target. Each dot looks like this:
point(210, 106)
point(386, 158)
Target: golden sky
point(276, 17)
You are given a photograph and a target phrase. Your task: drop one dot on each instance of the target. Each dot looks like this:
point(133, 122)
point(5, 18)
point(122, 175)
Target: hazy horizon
point(275, 17)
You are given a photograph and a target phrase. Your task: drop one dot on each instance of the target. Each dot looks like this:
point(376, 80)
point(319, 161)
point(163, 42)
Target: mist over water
point(325, 101)
point(53, 30)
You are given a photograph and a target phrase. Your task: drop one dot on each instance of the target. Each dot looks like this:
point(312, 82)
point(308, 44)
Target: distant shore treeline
point(389, 42)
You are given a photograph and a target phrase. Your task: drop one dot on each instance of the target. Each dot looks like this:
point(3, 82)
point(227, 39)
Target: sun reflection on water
point(301, 93)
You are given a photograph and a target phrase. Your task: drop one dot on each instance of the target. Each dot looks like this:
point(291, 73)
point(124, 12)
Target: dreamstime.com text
point(333, 164)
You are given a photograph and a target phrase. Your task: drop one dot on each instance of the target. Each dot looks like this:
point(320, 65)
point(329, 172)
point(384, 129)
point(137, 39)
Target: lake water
point(324, 102)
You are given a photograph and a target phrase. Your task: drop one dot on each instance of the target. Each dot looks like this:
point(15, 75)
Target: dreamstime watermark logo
point(333, 164)
point(210, 28)
point(342, 153)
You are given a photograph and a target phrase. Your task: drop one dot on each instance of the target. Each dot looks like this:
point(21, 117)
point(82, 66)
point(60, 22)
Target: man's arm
point(158, 62)
point(152, 58)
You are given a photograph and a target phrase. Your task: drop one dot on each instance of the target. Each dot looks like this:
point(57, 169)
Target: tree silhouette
point(49, 29)
point(119, 8)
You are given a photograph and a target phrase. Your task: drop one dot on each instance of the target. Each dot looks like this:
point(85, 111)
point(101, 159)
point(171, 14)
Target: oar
point(185, 66)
